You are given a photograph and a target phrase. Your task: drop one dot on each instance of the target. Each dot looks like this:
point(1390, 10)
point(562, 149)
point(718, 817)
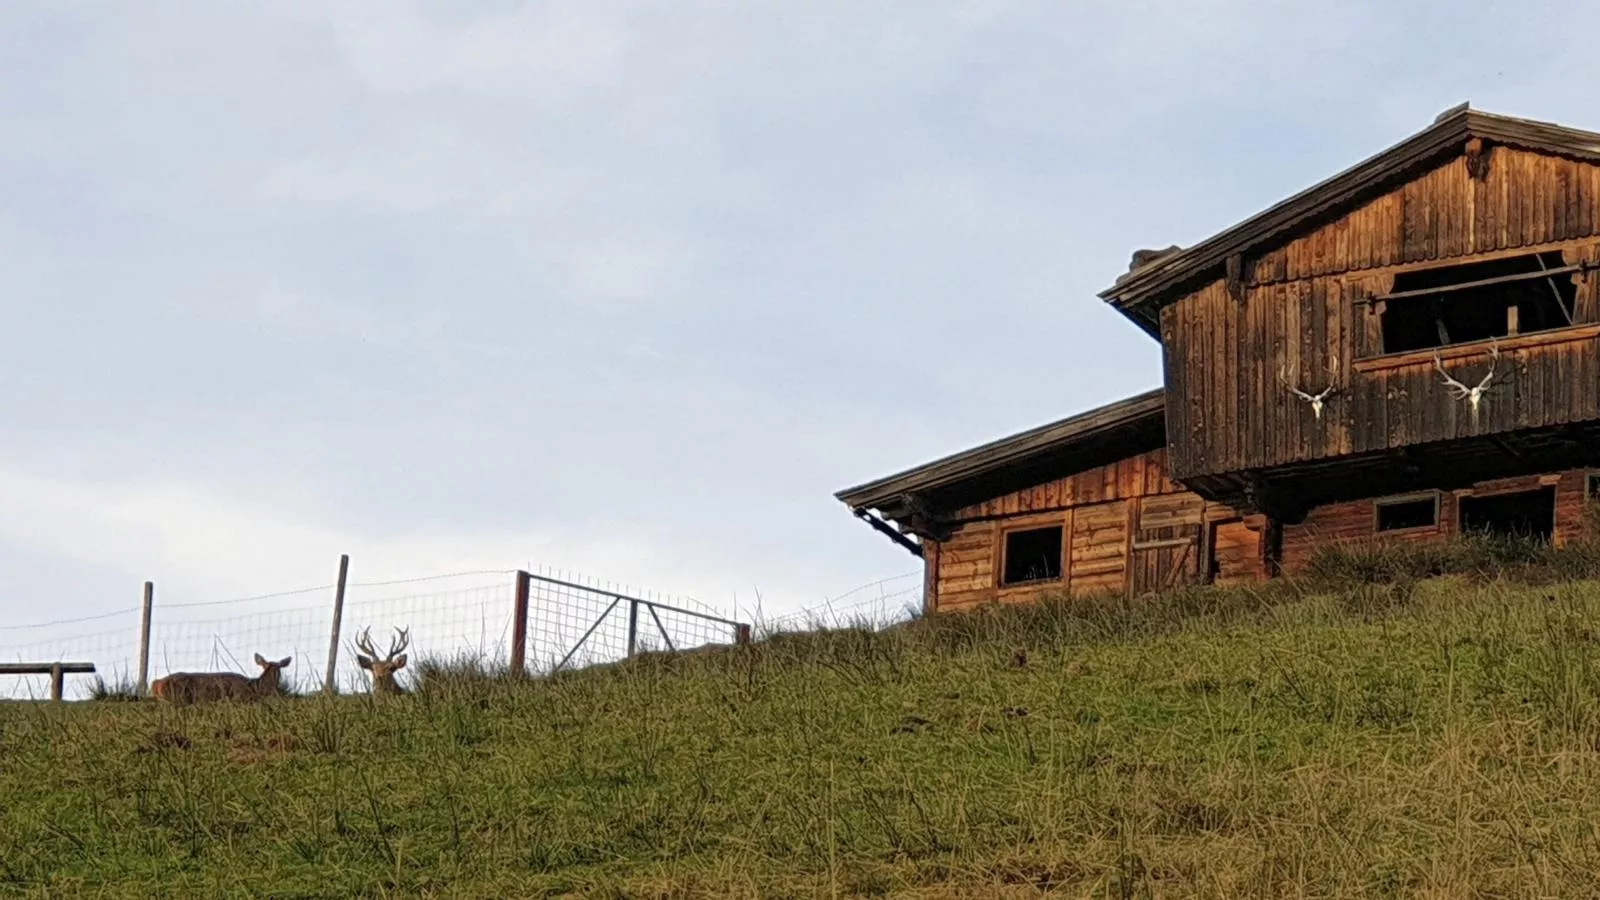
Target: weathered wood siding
point(1135, 476)
point(1126, 526)
point(1526, 200)
point(1355, 522)
point(1304, 313)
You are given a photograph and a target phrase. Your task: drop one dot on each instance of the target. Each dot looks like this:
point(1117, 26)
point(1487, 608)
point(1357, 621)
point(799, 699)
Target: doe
point(196, 687)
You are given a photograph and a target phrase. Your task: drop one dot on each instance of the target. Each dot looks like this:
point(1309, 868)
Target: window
point(1032, 554)
point(1439, 308)
point(1408, 512)
point(1525, 514)
point(1592, 485)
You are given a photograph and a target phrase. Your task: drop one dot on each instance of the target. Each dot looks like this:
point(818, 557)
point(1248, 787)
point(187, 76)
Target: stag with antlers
point(383, 670)
point(1473, 395)
point(1317, 401)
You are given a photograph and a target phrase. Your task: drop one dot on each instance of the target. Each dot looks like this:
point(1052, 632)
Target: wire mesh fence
point(570, 622)
point(109, 641)
point(446, 621)
point(468, 617)
point(576, 625)
point(878, 604)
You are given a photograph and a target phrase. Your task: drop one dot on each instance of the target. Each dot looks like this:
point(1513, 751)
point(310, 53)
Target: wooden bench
point(56, 670)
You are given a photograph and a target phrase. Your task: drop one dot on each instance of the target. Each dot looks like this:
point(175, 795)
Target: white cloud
point(202, 543)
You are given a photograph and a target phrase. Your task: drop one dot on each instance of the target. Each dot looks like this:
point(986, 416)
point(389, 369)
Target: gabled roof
point(1079, 440)
point(1141, 293)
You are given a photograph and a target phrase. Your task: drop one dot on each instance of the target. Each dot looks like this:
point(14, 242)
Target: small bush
point(465, 672)
point(122, 690)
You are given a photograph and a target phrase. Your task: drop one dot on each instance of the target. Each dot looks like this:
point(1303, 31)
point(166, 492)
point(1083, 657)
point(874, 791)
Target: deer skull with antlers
point(1473, 395)
point(1317, 401)
point(383, 670)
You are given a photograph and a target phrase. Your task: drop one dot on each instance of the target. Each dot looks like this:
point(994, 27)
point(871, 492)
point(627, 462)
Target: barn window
point(1592, 486)
point(1477, 301)
point(1032, 554)
point(1399, 513)
point(1524, 514)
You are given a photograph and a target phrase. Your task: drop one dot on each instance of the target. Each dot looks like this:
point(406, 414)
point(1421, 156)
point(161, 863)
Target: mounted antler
point(1473, 395)
point(1316, 400)
point(383, 670)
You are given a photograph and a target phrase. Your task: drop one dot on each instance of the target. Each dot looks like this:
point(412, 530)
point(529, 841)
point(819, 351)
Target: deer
point(1317, 401)
point(183, 688)
point(1473, 395)
point(383, 670)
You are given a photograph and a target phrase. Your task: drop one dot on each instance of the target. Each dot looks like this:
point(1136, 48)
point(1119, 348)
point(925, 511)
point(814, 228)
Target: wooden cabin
point(1405, 351)
point(1077, 506)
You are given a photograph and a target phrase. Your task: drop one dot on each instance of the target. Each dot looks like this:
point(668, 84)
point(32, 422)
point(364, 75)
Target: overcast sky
point(624, 288)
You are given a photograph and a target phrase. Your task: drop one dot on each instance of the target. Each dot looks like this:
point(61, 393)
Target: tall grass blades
point(1364, 731)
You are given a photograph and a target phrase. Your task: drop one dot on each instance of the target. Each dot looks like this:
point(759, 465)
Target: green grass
point(1388, 738)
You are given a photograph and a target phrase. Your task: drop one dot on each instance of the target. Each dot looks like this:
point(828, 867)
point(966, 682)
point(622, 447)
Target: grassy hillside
point(1439, 739)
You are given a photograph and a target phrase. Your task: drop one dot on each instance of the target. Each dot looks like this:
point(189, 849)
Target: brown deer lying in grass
point(198, 687)
point(383, 670)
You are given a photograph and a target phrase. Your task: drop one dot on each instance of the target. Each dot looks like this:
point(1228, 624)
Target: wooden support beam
point(1235, 276)
point(1506, 448)
point(56, 670)
point(70, 668)
point(1554, 290)
point(893, 533)
point(1272, 548)
point(1482, 282)
point(1477, 155)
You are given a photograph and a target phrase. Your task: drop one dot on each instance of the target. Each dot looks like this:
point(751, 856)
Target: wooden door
point(1166, 551)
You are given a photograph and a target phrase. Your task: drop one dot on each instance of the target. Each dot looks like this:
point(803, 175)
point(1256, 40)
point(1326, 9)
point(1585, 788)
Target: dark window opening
point(1033, 555)
point(1464, 315)
point(1593, 486)
point(1525, 514)
point(1416, 512)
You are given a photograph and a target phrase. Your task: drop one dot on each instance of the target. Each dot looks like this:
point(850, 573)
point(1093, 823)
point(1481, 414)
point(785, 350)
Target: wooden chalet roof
point(1080, 442)
point(1142, 292)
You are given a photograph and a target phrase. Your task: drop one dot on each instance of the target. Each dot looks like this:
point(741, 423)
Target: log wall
point(1126, 528)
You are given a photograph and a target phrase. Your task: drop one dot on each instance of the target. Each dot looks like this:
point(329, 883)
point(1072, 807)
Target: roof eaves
point(997, 454)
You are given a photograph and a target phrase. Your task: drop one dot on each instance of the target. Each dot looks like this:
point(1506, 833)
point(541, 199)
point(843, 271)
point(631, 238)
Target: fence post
point(743, 635)
point(633, 626)
point(144, 639)
point(519, 625)
point(328, 684)
point(56, 677)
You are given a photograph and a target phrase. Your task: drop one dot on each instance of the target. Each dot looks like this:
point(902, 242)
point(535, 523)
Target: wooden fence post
point(144, 639)
point(519, 625)
point(56, 678)
point(633, 626)
point(743, 634)
point(328, 684)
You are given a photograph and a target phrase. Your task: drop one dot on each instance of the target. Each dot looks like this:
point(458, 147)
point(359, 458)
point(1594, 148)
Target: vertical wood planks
point(1301, 310)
